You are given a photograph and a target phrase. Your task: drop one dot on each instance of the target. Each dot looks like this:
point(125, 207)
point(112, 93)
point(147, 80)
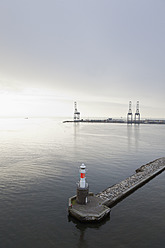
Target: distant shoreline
point(110, 120)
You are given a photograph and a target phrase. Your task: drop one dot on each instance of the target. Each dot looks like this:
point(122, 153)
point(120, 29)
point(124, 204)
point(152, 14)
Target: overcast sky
point(100, 53)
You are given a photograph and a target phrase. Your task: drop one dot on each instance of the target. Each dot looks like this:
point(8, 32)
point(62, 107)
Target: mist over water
point(39, 169)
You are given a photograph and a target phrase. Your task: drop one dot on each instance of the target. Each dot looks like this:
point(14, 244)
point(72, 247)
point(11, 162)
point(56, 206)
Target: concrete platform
point(94, 210)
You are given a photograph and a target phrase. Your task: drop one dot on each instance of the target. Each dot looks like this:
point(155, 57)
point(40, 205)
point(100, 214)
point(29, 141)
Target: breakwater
point(98, 205)
point(115, 193)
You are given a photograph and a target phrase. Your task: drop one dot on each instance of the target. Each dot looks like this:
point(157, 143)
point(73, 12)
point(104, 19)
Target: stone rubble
point(142, 173)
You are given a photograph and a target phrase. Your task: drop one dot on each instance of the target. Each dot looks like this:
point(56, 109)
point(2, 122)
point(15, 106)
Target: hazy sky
point(100, 53)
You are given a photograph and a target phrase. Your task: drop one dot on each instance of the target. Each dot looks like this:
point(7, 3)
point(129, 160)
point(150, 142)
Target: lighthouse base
point(94, 211)
point(82, 195)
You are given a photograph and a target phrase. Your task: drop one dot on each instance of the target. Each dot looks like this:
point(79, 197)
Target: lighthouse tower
point(82, 187)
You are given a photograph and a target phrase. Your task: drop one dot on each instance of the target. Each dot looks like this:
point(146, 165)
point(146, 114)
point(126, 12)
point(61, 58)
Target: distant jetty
point(111, 120)
point(98, 205)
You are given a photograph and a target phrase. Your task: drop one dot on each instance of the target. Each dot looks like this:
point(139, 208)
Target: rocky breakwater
point(117, 192)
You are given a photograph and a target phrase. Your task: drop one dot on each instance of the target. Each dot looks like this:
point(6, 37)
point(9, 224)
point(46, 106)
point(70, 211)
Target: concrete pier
point(98, 205)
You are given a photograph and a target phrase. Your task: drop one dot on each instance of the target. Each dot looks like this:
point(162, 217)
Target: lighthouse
point(82, 187)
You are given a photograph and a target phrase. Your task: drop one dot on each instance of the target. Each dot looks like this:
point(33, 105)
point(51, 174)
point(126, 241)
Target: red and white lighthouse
point(82, 187)
point(82, 176)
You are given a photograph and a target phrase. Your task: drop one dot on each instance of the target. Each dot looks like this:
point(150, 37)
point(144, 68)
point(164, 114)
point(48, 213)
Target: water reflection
point(136, 135)
point(133, 133)
point(76, 127)
point(95, 225)
point(82, 228)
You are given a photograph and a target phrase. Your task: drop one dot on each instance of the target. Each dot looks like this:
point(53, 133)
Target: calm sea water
point(39, 169)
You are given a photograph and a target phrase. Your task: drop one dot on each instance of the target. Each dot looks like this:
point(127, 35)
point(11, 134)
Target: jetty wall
point(145, 173)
